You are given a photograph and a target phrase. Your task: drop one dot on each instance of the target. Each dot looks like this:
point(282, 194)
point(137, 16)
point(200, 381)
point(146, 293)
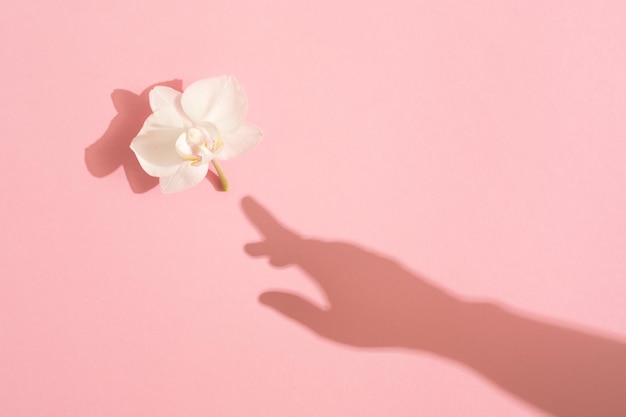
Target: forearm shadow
point(376, 302)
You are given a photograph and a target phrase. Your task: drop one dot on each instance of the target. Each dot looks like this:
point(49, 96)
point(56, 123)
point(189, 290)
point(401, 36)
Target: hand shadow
point(112, 150)
point(375, 302)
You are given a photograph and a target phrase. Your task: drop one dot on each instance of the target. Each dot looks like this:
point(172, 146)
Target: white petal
point(166, 118)
point(156, 151)
point(240, 141)
point(218, 100)
point(162, 97)
point(185, 177)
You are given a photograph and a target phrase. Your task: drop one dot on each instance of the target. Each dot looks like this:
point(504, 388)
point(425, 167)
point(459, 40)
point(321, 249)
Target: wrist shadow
point(375, 302)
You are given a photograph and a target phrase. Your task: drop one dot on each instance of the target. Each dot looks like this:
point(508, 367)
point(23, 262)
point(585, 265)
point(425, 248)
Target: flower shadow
point(374, 302)
point(112, 150)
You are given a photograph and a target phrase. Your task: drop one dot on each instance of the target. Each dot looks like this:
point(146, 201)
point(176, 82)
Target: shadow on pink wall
point(375, 302)
point(112, 150)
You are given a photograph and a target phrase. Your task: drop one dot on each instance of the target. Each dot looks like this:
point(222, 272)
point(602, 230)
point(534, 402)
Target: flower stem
point(221, 174)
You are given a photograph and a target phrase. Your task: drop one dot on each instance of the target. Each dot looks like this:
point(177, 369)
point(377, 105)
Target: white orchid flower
point(188, 130)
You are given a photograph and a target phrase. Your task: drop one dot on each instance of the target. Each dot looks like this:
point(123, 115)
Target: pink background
point(479, 144)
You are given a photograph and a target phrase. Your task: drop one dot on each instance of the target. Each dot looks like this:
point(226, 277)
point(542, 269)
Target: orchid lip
point(199, 144)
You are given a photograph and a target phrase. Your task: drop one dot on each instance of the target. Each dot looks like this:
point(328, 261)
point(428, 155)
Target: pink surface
point(470, 155)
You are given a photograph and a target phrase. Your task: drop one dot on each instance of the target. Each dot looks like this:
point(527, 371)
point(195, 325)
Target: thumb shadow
point(112, 150)
point(375, 302)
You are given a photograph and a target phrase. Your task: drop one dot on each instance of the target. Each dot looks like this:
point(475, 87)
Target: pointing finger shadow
point(376, 302)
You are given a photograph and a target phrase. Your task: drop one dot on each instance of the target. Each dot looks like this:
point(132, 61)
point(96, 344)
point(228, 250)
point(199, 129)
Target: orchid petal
point(185, 177)
point(166, 118)
point(240, 141)
point(218, 100)
point(156, 151)
point(162, 97)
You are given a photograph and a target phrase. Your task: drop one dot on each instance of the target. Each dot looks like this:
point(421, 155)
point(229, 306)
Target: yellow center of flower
point(199, 145)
